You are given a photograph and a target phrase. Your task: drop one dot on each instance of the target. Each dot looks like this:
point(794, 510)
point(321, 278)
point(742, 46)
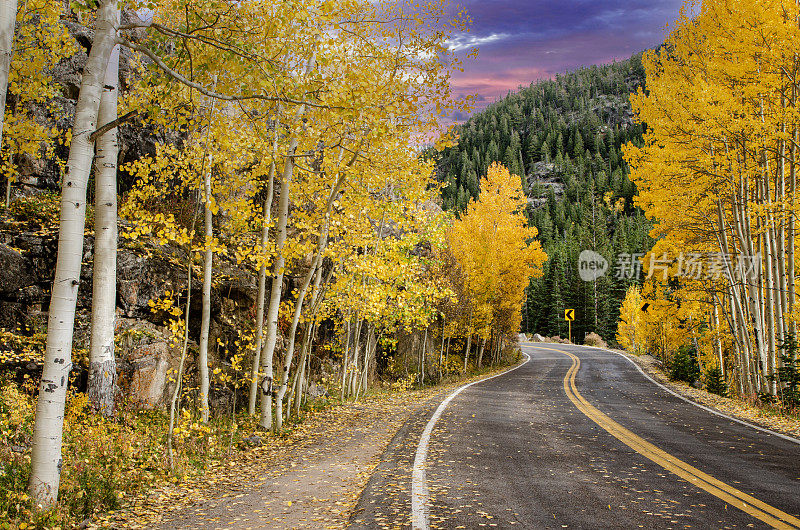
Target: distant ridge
point(563, 136)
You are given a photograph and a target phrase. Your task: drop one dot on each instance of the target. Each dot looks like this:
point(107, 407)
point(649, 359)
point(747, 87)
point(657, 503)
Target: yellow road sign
point(569, 314)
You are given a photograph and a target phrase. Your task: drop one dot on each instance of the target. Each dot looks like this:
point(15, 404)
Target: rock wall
point(144, 355)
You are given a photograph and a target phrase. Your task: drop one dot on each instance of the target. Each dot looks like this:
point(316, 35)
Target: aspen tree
point(497, 254)
point(46, 452)
point(102, 363)
point(8, 18)
point(276, 286)
point(208, 270)
point(266, 219)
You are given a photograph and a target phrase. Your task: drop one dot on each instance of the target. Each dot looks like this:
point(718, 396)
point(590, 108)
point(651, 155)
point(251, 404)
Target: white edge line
point(695, 403)
point(419, 488)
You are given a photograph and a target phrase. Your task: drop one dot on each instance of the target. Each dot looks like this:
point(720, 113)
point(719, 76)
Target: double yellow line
point(739, 499)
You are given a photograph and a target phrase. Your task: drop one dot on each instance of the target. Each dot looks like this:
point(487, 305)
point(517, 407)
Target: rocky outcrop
point(144, 354)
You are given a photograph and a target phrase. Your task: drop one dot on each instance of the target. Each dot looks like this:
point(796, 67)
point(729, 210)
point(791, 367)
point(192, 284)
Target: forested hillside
point(564, 137)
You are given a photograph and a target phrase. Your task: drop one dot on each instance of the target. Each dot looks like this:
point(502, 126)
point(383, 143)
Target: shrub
point(789, 373)
point(42, 209)
point(593, 339)
point(715, 382)
point(105, 460)
point(684, 366)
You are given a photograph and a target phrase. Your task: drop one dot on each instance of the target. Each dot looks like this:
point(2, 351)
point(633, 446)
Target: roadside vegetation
point(235, 228)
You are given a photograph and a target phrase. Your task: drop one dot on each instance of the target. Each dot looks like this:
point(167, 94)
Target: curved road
point(578, 438)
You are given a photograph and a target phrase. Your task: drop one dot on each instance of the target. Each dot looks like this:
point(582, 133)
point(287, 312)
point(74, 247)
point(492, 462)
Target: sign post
point(569, 316)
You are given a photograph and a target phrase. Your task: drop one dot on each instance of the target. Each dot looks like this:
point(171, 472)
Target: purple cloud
point(524, 41)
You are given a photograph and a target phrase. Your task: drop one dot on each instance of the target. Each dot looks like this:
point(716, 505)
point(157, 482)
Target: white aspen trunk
point(353, 375)
point(262, 277)
point(102, 363)
point(345, 361)
point(208, 269)
point(480, 352)
point(422, 355)
point(287, 361)
point(306, 349)
point(276, 290)
point(780, 249)
point(441, 351)
point(293, 390)
point(10, 180)
point(358, 376)
point(276, 287)
point(790, 267)
point(262, 288)
point(296, 395)
point(758, 300)
point(46, 452)
point(8, 19)
point(299, 384)
point(769, 296)
point(466, 351)
point(717, 341)
point(369, 352)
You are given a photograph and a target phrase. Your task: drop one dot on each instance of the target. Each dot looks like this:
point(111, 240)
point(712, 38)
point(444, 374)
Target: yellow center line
point(739, 499)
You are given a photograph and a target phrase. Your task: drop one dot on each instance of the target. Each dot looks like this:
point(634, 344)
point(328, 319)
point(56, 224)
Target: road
point(578, 438)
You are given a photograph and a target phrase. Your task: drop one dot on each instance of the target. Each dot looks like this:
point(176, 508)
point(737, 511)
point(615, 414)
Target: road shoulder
point(728, 406)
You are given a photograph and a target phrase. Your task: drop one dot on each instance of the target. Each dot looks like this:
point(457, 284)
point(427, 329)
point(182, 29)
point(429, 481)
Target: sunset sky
point(522, 41)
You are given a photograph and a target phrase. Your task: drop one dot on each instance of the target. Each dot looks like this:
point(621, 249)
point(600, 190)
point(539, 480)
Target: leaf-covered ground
point(310, 477)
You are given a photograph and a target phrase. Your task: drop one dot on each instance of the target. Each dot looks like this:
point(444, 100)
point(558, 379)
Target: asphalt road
point(579, 438)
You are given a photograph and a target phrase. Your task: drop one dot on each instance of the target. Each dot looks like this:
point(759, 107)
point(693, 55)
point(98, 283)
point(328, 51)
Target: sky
point(526, 40)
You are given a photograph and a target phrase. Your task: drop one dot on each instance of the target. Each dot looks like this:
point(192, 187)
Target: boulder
point(316, 391)
point(149, 380)
point(143, 361)
point(538, 338)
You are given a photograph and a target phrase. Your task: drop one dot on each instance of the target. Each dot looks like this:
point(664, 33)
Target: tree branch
point(210, 93)
point(112, 124)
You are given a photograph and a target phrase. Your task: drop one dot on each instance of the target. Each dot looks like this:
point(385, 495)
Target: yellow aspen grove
point(293, 126)
point(728, 165)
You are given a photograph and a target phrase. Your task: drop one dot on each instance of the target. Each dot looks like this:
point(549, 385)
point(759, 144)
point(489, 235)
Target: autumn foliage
point(497, 254)
point(718, 174)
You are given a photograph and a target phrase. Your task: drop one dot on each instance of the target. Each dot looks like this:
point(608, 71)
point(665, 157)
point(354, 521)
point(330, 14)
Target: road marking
point(747, 503)
point(420, 518)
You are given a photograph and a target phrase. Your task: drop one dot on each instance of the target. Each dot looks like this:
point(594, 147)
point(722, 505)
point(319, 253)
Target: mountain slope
point(564, 137)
